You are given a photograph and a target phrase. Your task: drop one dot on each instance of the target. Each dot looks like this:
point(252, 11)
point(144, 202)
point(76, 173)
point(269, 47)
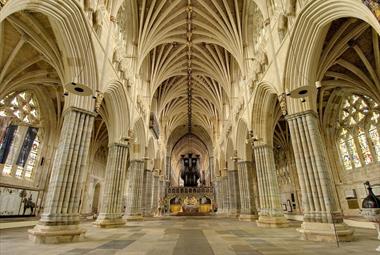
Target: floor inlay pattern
point(188, 236)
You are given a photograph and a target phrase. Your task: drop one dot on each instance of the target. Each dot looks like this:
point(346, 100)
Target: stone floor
point(188, 236)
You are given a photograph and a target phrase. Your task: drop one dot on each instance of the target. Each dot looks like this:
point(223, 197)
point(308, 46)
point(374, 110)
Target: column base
point(233, 213)
point(56, 234)
point(134, 218)
point(325, 232)
point(272, 222)
point(109, 223)
point(221, 215)
point(247, 217)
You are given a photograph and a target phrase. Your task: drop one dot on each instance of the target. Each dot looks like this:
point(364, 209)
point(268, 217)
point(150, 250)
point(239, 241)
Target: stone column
point(225, 195)
point(234, 194)
point(247, 202)
point(168, 166)
point(147, 194)
point(270, 213)
point(211, 171)
point(218, 194)
point(159, 188)
point(162, 187)
point(112, 203)
point(60, 220)
point(323, 218)
point(162, 192)
point(155, 198)
point(135, 175)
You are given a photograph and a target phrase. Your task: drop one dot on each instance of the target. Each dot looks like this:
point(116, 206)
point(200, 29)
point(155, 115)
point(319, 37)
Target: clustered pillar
point(60, 220)
point(218, 194)
point(155, 198)
point(323, 219)
point(147, 193)
point(211, 170)
point(225, 195)
point(135, 177)
point(112, 206)
point(247, 202)
point(234, 194)
point(162, 187)
point(270, 214)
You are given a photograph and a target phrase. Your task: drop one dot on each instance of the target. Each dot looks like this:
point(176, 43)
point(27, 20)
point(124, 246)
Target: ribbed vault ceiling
point(210, 48)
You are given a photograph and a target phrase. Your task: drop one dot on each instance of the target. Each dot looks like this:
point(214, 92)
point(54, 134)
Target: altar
point(190, 201)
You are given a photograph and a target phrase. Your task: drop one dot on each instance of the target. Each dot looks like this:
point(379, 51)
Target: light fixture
point(78, 89)
point(301, 92)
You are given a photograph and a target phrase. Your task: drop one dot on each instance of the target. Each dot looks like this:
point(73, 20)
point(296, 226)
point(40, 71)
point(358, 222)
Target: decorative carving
point(374, 6)
point(123, 66)
point(263, 59)
point(154, 125)
point(282, 25)
point(98, 17)
point(290, 7)
point(89, 5)
point(141, 107)
point(283, 105)
point(98, 102)
point(117, 55)
point(2, 3)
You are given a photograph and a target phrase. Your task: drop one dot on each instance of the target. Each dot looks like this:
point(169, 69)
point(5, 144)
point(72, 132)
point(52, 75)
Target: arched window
point(20, 135)
point(358, 131)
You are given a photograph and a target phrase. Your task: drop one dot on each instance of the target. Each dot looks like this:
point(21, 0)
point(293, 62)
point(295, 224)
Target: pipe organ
point(190, 172)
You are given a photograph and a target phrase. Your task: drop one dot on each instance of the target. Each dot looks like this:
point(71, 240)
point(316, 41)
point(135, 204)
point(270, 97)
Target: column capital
point(241, 162)
point(300, 114)
point(113, 19)
point(136, 160)
point(266, 146)
point(80, 110)
point(118, 144)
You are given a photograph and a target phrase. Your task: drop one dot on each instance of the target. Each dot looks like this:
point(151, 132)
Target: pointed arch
point(311, 25)
point(115, 111)
point(265, 114)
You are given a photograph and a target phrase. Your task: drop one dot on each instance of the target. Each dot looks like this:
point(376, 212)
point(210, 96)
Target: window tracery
point(358, 131)
point(20, 143)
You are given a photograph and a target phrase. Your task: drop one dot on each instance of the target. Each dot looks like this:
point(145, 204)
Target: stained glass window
point(7, 142)
point(364, 147)
point(352, 149)
point(358, 138)
point(374, 134)
point(22, 109)
point(345, 154)
point(33, 158)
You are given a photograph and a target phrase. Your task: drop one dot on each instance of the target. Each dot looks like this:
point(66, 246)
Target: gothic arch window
point(20, 135)
point(358, 131)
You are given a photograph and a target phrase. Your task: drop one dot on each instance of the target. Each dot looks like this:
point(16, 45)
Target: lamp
point(304, 91)
point(78, 89)
point(301, 92)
